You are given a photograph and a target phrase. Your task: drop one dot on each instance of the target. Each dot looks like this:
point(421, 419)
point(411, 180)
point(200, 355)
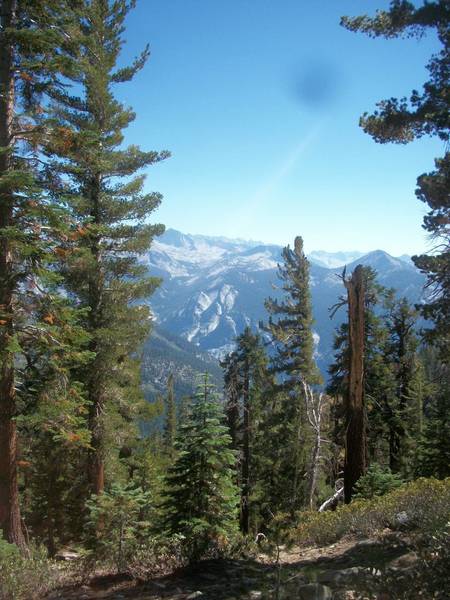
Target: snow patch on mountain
point(214, 287)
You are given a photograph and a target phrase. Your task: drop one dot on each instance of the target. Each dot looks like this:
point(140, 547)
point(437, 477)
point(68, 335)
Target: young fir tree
point(201, 497)
point(434, 445)
point(101, 183)
point(405, 407)
point(425, 113)
point(34, 56)
point(246, 384)
point(290, 327)
point(170, 418)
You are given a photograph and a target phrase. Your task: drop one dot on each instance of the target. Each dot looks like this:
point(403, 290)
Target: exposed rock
point(194, 595)
point(67, 555)
point(369, 543)
point(255, 595)
point(402, 518)
point(314, 591)
point(405, 561)
point(338, 577)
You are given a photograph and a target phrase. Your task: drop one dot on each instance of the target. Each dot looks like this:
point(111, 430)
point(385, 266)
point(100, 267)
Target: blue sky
point(259, 101)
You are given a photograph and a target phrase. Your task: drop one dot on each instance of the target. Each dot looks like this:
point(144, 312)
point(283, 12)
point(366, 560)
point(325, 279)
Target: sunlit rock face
point(214, 287)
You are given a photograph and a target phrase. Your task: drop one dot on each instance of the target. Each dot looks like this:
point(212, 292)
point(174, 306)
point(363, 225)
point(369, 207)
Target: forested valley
point(287, 482)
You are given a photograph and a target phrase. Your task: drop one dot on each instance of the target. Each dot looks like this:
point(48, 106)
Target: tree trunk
point(96, 467)
point(312, 480)
point(97, 383)
point(356, 441)
point(10, 521)
point(245, 500)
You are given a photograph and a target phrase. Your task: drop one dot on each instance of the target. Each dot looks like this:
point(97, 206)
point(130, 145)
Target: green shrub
point(424, 505)
point(376, 482)
point(155, 556)
point(117, 524)
point(25, 577)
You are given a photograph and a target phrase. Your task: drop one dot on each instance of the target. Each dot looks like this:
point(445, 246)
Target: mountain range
point(213, 287)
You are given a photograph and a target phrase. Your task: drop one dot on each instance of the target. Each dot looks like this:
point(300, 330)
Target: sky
point(259, 101)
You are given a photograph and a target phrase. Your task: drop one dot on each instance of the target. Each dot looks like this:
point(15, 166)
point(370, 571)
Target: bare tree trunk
point(314, 407)
point(331, 503)
point(10, 521)
point(356, 441)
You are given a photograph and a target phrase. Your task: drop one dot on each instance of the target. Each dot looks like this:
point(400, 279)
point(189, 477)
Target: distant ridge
point(214, 287)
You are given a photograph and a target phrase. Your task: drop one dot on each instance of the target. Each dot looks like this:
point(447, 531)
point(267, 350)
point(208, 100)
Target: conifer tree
point(247, 383)
point(393, 378)
point(404, 120)
point(34, 47)
point(377, 381)
point(290, 327)
point(170, 419)
point(102, 184)
point(434, 445)
point(201, 498)
point(401, 357)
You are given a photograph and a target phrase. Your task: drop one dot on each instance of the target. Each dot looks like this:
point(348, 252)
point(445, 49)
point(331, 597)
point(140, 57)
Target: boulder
point(314, 591)
point(405, 561)
point(341, 576)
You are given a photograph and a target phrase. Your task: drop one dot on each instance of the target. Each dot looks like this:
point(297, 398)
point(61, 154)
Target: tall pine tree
point(247, 385)
point(290, 327)
point(35, 49)
point(101, 182)
point(425, 113)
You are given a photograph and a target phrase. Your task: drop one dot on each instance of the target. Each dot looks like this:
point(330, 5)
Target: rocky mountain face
point(165, 353)
point(213, 287)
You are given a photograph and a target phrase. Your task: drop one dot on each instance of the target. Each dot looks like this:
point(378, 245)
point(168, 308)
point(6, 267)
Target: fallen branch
point(333, 500)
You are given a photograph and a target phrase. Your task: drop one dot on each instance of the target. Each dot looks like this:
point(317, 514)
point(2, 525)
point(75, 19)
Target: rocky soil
point(309, 573)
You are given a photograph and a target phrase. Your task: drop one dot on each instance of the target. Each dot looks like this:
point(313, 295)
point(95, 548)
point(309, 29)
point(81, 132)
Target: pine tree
point(356, 437)
point(34, 51)
point(290, 327)
point(170, 419)
point(247, 382)
point(433, 189)
point(201, 497)
point(101, 183)
point(425, 113)
point(378, 380)
point(401, 356)
point(434, 446)
point(394, 385)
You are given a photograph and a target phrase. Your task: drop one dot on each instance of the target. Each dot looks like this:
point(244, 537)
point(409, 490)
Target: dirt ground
point(246, 579)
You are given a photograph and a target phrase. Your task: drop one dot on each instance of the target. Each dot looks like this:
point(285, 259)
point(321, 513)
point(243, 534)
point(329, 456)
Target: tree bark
point(10, 521)
point(356, 440)
point(96, 466)
point(314, 407)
